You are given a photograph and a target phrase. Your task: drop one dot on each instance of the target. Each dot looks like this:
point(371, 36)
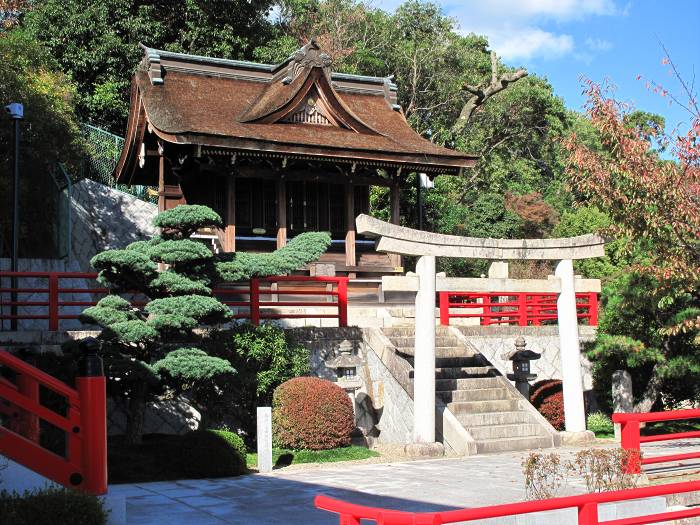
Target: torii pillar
point(427, 246)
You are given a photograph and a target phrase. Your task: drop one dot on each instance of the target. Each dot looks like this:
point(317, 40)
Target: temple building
point(276, 150)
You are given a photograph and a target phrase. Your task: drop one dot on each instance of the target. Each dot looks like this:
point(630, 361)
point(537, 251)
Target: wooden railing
point(631, 439)
point(73, 452)
point(57, 301)
point(586, 505)
point(512, 308)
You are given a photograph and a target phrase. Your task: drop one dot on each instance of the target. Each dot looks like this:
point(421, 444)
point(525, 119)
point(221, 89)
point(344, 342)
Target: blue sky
point(615, 39)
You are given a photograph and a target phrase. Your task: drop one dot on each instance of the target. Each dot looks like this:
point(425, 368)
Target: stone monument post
point(264, 439)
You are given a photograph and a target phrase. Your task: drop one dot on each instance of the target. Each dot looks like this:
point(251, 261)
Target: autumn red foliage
point(647, 197)
point(311, 413)
point(548, 398)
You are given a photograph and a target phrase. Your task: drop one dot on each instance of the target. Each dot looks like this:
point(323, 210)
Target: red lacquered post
point(53, 301)
point(445, 308)
point(588, 514)
point(343, 301)
point(593, 309)
point(28, 422)
point(254, 301)
point(91, 388)
point(629, 433)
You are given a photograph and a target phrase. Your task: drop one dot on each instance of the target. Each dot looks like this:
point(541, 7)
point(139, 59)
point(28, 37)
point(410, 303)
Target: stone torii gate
point(427, 246)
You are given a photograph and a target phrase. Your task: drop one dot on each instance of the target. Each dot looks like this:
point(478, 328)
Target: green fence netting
point(104, 149)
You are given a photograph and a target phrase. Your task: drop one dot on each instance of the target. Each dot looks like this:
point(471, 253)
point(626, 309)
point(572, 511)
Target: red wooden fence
point(82, 463)
point(253, 300)
point(586, 504)
point(517, 308)
point(632, 440)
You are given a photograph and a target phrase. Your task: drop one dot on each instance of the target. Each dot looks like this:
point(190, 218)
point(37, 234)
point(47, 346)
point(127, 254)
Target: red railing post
point(629, 433)
point(445, 308)
point(91, 387)
point(522, 309)
point(593, 309)
point(28, 422)
point(588, 514)
point(343, 301)
point(255, 301)
point(486, 310)
point(53, 301)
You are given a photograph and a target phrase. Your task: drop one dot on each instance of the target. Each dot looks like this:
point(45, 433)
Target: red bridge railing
point(632, 439)
point(62, 297)
point(512, 308)
point(69, 445)
point(587, 505)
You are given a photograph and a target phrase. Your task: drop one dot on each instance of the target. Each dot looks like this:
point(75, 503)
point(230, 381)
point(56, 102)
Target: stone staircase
point(484, 402)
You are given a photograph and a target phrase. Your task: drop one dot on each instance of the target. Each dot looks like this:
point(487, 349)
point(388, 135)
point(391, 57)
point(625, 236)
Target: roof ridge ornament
point(309, 56)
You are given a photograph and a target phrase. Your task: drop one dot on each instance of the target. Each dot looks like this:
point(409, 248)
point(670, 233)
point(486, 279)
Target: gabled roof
point(298, 108)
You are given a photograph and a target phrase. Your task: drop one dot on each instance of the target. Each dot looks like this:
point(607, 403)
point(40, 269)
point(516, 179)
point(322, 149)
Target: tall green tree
point(96, 41)
point(49, 135)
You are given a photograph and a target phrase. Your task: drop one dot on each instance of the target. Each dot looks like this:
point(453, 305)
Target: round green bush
point(211, 454)
point(311, 413)
point(600, 423)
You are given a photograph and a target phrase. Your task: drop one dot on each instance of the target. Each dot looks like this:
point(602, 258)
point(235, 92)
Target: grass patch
point(283, 458)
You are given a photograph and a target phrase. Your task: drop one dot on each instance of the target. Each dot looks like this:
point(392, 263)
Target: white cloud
point(557, 10)
point(597, 44)
point(526, 43)
point(521, 30)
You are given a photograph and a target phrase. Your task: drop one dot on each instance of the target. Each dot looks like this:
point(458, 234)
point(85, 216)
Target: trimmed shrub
point(600, 423)
point(51, 506)
point(211, 454)
point(547, 397)
point(311, 413)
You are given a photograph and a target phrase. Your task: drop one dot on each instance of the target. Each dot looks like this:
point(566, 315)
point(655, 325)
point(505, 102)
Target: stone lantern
point(345, 365)
point(521, 366)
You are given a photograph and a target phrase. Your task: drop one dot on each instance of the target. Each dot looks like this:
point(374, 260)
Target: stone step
point(497, 405)
point(486, 433)
point(442, 352)
point(455, 362)
point(410, 342)
point(453, 380)
point(516, 443)
point(459, 372)
point(471, 421)
point(478, 394)
point(463, 372)
point(469, 383)
point(408, 331)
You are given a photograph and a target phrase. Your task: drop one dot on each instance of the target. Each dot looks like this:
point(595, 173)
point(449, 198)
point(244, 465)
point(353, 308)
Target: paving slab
point(286, 495)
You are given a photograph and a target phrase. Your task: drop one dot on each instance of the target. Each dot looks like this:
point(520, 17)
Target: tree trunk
point(135, 414)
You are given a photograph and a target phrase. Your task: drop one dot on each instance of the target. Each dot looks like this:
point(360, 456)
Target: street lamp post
point(16, 112)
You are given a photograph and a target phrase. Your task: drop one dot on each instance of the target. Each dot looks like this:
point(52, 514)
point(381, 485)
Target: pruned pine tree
point(158, 346)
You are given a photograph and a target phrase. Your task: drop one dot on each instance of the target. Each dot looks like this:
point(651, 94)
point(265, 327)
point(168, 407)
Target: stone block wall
point(494, 341)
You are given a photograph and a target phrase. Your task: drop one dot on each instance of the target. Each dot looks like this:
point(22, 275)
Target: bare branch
point(480, 94)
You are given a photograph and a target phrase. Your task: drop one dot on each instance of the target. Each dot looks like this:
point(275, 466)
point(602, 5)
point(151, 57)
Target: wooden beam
point(230, 223)
point(395, 190)
point(350, 258)
point(281, 213)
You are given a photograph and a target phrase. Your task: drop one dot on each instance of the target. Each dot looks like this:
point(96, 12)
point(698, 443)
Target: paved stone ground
point(287, 496)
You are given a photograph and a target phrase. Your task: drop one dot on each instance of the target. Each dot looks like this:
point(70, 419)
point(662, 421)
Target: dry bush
point(544, 475)
point(604, 469)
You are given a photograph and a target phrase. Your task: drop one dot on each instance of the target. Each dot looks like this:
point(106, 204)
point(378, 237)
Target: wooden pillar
point(161, 183)
point(350, 259)
point(395, 196)
point(281, 213)
point(230, 228)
